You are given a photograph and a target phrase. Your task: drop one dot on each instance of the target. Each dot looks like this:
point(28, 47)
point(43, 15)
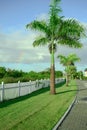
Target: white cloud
point(17, 47)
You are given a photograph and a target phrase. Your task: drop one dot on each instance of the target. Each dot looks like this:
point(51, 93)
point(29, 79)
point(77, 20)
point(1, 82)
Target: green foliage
point(13, 73)
point(58, 74)
point(85, 69)
point(9, 80)
point(72, 71)
point(68, 60)
point(85, 78)
point(79, 75)
point(2, 72)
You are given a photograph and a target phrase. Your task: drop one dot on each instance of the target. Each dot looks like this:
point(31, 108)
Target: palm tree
point(56, 30)
point(68, 62)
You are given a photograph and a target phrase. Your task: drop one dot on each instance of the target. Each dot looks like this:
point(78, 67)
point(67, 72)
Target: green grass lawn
point(37, 111)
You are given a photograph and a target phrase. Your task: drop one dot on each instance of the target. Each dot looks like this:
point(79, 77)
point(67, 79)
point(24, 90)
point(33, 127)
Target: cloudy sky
point(16, 50)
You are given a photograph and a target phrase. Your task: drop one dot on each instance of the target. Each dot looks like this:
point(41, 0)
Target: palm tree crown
point(68, 60)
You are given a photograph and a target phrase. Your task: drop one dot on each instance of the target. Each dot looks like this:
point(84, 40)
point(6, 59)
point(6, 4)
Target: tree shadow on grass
point(22, 98)
point(66, 91)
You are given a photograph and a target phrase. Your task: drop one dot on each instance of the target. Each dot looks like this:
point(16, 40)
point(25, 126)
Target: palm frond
point(54, 7)
point(72, 29)
point(54, 12)
point(67, 41)
point(63, 59)
point(38, 25)
point(73, 57)
point(68, 60)
point(54, 2)
point(40, 41)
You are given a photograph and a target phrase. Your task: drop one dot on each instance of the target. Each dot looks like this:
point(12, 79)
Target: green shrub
point(8, 80)
point(84, 78)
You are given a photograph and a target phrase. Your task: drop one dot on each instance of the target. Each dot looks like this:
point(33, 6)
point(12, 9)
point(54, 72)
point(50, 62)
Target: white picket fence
point(14, 90)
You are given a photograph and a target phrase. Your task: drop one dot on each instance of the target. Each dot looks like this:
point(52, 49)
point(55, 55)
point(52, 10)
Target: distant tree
point(72, 71)
point(58, 74)
point(13, 73)
point(33, 75)
point(2, 72)
point(85, 69)
point(80, 75)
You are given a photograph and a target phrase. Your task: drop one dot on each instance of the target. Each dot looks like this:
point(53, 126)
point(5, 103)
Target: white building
point(85, 73)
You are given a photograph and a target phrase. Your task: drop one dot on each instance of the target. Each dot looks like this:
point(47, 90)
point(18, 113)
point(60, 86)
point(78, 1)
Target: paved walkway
point(77, 118)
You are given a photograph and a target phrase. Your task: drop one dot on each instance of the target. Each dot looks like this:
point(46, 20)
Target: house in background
point(85, 72)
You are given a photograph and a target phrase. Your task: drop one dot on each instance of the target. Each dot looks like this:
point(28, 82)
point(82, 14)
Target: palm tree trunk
point(52, 80)
point(52, 74)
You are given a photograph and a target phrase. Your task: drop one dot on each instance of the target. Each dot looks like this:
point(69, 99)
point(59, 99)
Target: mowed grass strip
point(37, 111)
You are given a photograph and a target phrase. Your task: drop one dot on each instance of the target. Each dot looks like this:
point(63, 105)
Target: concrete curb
point(65, 114)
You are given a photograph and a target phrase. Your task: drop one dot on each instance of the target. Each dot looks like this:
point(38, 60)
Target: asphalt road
point(77, 118)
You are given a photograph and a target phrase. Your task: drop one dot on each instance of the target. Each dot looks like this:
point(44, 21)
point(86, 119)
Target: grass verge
point(37, 111)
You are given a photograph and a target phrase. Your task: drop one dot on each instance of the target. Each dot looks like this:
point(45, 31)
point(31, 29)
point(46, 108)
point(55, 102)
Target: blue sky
point(16, 50)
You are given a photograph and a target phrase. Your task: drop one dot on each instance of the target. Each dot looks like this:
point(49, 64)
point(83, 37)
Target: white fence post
point(19, 88)
point(42, 82)
point(2, 96)
point(37, 83)
point(30, 86)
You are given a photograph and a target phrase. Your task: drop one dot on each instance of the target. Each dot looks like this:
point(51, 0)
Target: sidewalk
point(77, 118)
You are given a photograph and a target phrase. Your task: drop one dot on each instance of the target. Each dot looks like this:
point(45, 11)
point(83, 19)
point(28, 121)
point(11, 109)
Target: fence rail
point(14, 90)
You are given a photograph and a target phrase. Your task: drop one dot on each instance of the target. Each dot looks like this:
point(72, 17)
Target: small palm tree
point(56, 30)
point(68, 62)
